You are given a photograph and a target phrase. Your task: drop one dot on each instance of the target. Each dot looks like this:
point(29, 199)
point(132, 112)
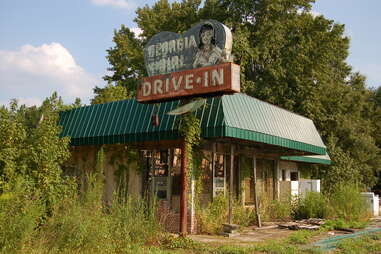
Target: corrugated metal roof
point(253, 119)
point(238, 116)
point(318, 159)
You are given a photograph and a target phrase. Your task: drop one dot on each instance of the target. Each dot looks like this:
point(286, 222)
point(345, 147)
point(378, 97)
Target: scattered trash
point(230, 230)
point(308, 224)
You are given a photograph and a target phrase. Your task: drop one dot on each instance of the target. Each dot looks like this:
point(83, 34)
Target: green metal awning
point(236, 116)
point(316, 159)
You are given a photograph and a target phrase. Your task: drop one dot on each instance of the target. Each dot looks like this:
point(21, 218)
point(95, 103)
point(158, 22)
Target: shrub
point(76, 225)
point(346, 203)
point(84, 224)
point(314, 205)
point(344, 206)
point(280, 210)
point(242, 215)
point(211, 218)
point(134, 221)
point(20, 214)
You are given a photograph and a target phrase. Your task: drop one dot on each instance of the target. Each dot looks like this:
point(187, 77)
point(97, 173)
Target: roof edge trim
point(273, 140)
point(307, 159)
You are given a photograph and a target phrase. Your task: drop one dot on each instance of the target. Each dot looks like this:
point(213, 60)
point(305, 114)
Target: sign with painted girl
point(171, 61)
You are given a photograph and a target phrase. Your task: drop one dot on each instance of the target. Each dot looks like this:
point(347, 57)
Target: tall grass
point(347, 203)
point(210, 219)
point(78, 224)
point(344, 205)
point(21, 211)
point(313, 205)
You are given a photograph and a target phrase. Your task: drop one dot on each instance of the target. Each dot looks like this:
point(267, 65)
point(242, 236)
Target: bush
point(84, 224)
point(242, 215)
point(280, 210)
point(75, 226)
point(314, 205)
point(211, 218)
point(134, 221)
point(20, 214)
point(344, 206)
point(346, 203)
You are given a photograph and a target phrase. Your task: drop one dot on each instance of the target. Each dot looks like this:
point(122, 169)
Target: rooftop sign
point(222, 78)
point(194, 63)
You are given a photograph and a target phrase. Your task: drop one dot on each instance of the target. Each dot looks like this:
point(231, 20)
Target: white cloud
point(137, 31)
point(33, 73)
point(124, 4)
point(29, 101)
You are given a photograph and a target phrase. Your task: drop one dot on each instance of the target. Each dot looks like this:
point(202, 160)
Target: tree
point(110, 93)
point(31, 149)
point(126, 59)
point(288, 57)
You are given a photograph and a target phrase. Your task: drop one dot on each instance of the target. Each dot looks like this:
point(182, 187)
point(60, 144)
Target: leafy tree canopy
point(31, 149)
point(288, 57)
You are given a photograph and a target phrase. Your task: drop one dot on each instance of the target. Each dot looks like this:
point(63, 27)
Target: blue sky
point(55, 45)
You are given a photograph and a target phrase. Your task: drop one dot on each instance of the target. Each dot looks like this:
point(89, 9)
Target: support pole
point(230, 217)
point(184, 190)
point(258, 215)
point(152, 165)
point(276, 178)
point(213, 169)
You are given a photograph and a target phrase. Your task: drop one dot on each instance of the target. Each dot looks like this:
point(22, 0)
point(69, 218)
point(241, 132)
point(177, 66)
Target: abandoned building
point(240, 135)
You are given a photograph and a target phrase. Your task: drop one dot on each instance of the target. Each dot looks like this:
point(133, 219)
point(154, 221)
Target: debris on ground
point(308, 224)
point(230, 230)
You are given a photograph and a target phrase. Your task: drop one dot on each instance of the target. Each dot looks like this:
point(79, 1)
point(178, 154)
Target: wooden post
point(277, 186)
point(257, 213)
point(230, 217)
point(184, 190)
point(153, 162)
point(213, 169)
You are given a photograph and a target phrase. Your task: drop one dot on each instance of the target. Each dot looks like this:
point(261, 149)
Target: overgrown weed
point(367, 244)
point(21, 212)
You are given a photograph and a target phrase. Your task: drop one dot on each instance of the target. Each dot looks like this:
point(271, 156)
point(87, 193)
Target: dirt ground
point(247, 235)
point(269, 231)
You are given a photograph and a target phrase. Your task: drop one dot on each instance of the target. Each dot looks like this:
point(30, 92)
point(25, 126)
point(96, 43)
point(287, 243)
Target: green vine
point(100, 158)
point(190, 130)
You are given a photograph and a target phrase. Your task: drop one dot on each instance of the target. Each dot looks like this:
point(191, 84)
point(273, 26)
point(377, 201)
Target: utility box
point(373, 202)
point(306, 185)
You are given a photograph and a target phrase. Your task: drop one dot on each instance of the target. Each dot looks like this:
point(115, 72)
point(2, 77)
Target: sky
point(56, 45)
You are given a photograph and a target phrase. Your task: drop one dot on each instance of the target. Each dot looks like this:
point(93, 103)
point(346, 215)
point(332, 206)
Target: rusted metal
point(216, 79)
point(184, 190)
